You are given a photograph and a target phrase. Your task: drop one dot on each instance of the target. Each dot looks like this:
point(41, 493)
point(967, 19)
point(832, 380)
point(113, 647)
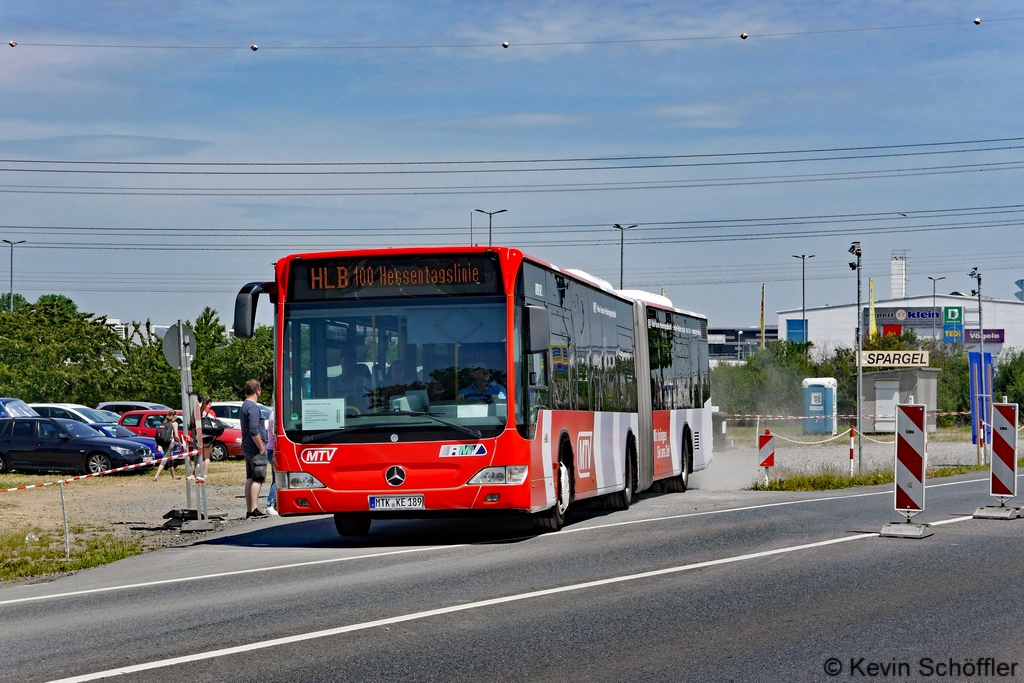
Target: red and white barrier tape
point(150, 463)
point(754, 416)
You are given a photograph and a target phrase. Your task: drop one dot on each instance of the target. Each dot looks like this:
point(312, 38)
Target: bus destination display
point(365, 278)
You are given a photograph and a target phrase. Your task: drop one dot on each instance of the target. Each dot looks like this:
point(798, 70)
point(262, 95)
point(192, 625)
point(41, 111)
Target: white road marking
point(447, 547)
point(312, 635)
point(237, 572)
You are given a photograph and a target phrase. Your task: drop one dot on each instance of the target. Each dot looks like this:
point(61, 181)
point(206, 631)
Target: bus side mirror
point(245, 306)
point(538, 329)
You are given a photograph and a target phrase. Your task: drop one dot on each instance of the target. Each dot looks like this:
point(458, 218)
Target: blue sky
point(138, 256)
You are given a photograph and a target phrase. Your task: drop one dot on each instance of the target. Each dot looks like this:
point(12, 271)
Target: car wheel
point(3, 464)
point(352, 523)
point(218, 451)
point(96, 463)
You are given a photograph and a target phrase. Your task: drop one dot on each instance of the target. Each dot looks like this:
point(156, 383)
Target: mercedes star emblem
point(395, 475)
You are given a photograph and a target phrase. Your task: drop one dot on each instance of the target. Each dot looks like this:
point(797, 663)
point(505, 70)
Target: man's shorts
point(256, 467)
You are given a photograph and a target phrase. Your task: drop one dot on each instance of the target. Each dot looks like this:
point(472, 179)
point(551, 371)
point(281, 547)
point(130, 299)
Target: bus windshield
point(366, 371)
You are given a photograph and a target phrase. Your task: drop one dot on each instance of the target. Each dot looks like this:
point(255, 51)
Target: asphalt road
point(705, 585)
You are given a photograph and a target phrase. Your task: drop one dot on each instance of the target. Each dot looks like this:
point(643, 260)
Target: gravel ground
point(736, 468)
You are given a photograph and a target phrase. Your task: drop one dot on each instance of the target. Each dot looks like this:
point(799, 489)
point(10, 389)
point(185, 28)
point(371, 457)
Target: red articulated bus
point(471, 380)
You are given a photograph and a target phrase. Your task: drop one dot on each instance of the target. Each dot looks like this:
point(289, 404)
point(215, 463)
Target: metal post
point(186, 409)
point(934, 280)
point(64, 511)
point(983, 383)
point(803, 296)
point(856, 250)
point(471, 228)
point(11, 302)
point(622, 249)
point(490, 223)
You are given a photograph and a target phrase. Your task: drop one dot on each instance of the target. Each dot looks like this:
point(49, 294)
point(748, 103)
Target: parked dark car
point(41, 443)
point(122, 407)
point(15, 407)
point(116, 431)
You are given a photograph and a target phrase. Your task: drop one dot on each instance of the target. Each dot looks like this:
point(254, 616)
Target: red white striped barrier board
point(1004, 451)
point(911, 459)
point(766, 449)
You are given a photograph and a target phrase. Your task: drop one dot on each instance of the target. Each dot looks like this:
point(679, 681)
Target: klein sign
point(894, 359)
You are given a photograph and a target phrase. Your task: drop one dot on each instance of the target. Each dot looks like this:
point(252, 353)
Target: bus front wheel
point(352, 523)
point(553, 518)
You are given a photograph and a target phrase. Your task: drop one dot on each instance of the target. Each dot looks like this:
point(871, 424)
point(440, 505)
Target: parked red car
point(145, 423)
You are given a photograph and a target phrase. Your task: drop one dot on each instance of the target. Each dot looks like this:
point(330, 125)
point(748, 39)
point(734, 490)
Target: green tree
point(245, 359)
point(1009, 376)
point(145, 375)
point(208, 371)
point(5, 302)
point(59, 300)
point(52, 354)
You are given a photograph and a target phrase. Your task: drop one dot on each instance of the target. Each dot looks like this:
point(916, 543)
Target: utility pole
point(622, 248)
point(490, 223)
point(934, 280)
point(11, 302)
point(803, 298)
point(983, 402)
point(856, 251)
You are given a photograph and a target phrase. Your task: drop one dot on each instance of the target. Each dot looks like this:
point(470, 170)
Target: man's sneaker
point(271, 511)
point(256, 513)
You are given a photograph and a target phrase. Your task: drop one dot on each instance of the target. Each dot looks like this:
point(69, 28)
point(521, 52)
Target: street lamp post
point(622, 248)
point(983, 403)
point(803, 297)
point(934, 280)
point(12, 270)
point(856, 251)
point(490, 222)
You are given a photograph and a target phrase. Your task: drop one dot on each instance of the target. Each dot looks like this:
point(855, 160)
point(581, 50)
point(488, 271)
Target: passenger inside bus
point(353, 384)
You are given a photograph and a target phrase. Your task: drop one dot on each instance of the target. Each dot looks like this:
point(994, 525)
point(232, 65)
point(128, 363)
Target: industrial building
point(947, 317)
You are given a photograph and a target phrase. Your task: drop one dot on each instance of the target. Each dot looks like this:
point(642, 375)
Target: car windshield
point(79, 430)
point(115, 431)
point(364, 370)
point(17, 408)
point(93, 415)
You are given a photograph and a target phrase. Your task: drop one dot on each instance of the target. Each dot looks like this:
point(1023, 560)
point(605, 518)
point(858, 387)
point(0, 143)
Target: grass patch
point(825, 479)
point(20, 558)
point(830, 478)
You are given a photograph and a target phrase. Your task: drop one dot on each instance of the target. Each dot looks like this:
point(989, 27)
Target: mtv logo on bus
point(463, 450)
point(584, 453)
point(316, 456)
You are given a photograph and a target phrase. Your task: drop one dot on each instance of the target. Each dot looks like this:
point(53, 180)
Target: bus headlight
point(297, 480)
point(513, 474)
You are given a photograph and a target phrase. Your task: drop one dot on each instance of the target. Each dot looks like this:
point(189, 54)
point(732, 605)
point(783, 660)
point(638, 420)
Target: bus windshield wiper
point(457, 427)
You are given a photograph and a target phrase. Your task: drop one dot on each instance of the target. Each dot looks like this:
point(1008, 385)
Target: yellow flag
point(873, 325)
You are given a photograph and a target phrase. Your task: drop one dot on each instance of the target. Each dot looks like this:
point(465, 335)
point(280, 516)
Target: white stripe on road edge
point(417, 550)
point(212, 654)
point(231, 573)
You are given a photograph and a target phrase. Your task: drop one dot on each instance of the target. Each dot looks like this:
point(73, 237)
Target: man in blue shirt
point(254, 439)
point(482, 388)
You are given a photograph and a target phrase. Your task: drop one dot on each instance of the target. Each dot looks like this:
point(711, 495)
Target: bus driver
point(483, 387)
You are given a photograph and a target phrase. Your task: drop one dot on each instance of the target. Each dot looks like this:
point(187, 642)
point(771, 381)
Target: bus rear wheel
point(553, 519)
point(621, 500)
point(352, 523)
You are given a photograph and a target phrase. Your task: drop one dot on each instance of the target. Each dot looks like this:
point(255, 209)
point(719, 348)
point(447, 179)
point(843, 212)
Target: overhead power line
point(505, 44)
point(530, 188)
point(555, 160)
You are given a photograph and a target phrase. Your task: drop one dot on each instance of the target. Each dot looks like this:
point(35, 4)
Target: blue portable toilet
point(820, 403)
